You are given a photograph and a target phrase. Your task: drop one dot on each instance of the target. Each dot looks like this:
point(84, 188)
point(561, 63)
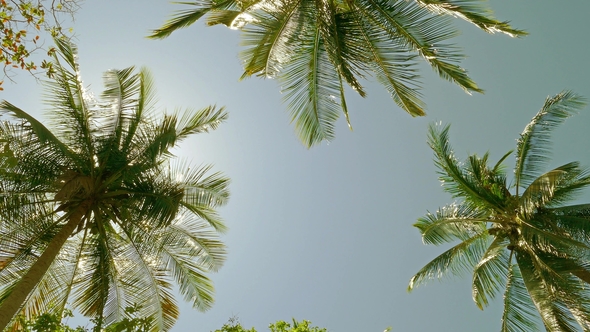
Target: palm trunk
point(11, 305)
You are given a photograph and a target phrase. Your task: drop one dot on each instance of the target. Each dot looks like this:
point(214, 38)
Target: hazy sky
point(326, 234)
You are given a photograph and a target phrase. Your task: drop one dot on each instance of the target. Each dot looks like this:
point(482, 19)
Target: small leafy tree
point(233, 325)
point(52, 322)
point(23, 23)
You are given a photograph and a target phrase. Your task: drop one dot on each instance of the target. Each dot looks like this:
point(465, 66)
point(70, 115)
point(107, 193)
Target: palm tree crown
point(95, 212)
point(524, 238)
point(315, 47)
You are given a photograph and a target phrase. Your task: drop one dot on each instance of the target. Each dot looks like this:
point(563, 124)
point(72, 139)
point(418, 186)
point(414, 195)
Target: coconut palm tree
point(94, 211)
point(523, 239)
point(315, 47)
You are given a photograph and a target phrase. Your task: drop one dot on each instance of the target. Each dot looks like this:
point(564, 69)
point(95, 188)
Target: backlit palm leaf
point(519, 314)
point(342, 41)
point(450, 223)
point(533, 146)
point(490, 274)
point(457, 260)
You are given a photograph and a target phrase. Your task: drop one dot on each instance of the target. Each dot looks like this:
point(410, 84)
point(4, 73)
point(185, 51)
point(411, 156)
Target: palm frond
point(519, 313)
point(575, 219)
point(146, 279)
point(155, 141)
point(311, 87)
point(457, 260)
point(145, 105)
point(472, 11)
point(570, 187)
point(195, 239)
point(541, 236)
point(533, 146)
point(190, 276)
point(490, 274)
point(500, 167)
point(336, 32)
point(71, 114)
point(461, 183)
point(395, 69)
point(156, 199)
point(490, 182)
point(203, 192)
point(271, 36)
point(451, 223)
point(121, 86)
point(541, 191)
point(553, 312)
point(421, 31)
point(201, 121)
point(185, 18)
point(100, 286)
point(44, 135)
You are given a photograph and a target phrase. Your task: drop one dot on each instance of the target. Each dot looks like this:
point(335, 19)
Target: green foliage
point(531, 245)
point(314, 48)
point(280, 326)
point(23, 27)
point(52, 322)
point(47, 322)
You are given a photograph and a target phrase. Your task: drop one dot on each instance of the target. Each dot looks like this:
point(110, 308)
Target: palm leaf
point(458, 182)
point(71, 114)
point(121, 86)
point(190, 276)
point(450, 223)
point(553, 313)
point(203, 193)
point(490, 274)
point(420, 31)
point(185, 18)
point(145, 106)
point(154, 142)
point(395, 69)
point(311, 86)
point(533, 146)
point(474, 12)
point(541, 191)
point(146, 280)
point(269, 40)
point(96, 293)
point(519, 313)
point(457, 260)
point(44, 135)
point(575, 219)
point(335, 30)
point(541, 236)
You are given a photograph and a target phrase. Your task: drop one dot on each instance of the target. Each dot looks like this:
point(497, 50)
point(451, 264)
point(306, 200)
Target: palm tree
point(524, 238)
point(95, 212)
point(315, 47)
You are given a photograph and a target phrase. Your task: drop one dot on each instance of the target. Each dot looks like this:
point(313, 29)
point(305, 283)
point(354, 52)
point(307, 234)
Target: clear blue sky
point(325, 234)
